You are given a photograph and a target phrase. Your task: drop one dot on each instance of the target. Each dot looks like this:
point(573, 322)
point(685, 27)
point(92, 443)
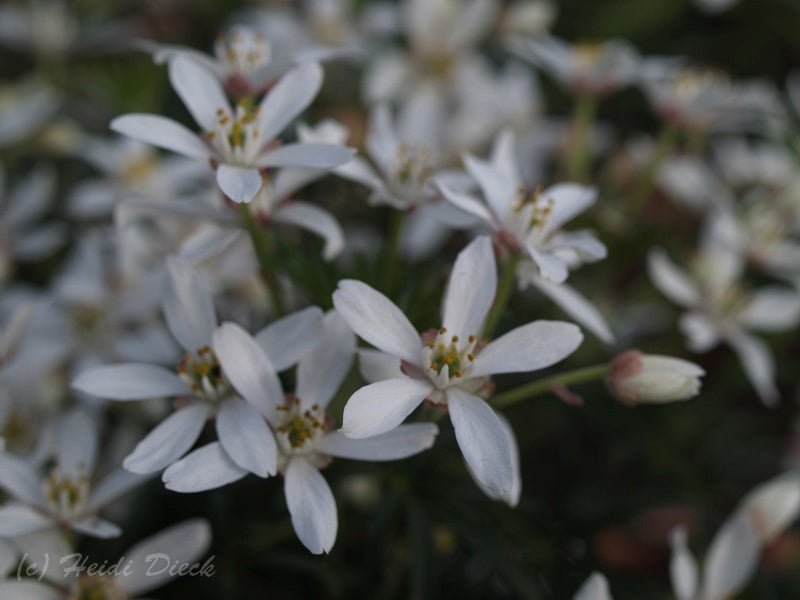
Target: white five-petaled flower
point(238, 142)
point(720, 309)
point(451, 366)
point(765, 513)
point(301, 442)
point(201, 384)
point(64, 497)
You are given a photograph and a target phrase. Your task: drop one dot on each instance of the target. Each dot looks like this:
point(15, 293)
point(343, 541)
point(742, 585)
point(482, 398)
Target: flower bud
point(636, 377)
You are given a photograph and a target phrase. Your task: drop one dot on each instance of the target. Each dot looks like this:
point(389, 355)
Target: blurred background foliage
point(602, 483)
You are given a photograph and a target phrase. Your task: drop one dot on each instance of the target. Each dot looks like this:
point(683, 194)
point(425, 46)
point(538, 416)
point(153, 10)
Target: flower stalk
point(261, 247)
point(542, 386)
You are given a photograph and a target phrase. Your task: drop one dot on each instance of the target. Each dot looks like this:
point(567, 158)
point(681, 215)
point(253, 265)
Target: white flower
point(635, 378)
point(200, 383)
point(140, 572)
point(450, 366)
point(302, 437)
point(719, 309)
point(596, 69)
point(529, 221)
point(239, 142)
point(734, 552)
point(64, 497)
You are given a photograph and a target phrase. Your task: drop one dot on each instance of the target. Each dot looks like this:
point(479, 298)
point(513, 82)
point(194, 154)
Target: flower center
point(237, 137)
point(691, 83)
point(532, 207)
point(298, 429)
point(96, 588)
point(137, 169)
point(587, 55)
point(202, 372)
point(447, 358)
point(66, 496)
point(410, 171)
point(243, 49)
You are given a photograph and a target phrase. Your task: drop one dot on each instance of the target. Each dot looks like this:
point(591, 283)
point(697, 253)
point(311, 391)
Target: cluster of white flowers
point(184, 277)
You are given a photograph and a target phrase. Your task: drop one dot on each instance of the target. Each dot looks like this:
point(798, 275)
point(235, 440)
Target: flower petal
point(94, 526)
point(287, 339)
point(199, 89)
point(682, 567)
point(485, 445)
point(317, 220)
point(311, 505)
point(569, 200)
point(377, 320)
point(240, 184)
point(772, 309)
point(466, 203)
point(322, 370)
point(499, 191)
point(594, 588)
point(162, 132)
point(20, 480)
point(246, 438)
point(401, 442)
point(130, 381)
point(188, 306)
point(248, 368)
point(76, 444)
point(375, 365)
point(29, 590)
point(117, 484)
point(206, 468)
point(382, 406)
point(169, 440)
point(759, 366)
point(288, 98)
point(670, 279)
point(576, 306)
point(529, 347)
point(551, 267)
point(310, 155)
point(471, 289)
point(18, 519)
point(731, 559)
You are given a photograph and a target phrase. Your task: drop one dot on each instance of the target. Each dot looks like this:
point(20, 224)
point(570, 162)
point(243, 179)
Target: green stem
point(389, 262)
point(578, 165)
point(543, 386)
point(261, 247)
point(664, 144)
point(508, 277)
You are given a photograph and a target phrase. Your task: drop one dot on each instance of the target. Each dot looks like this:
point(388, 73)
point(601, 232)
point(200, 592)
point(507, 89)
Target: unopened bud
point(635, 377)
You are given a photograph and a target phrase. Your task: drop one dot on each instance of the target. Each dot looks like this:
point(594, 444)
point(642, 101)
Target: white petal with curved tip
point(568, 201)
point(316, 220)
point(246, 438)
point(499, 191)
point(401, 442)
point(471, 289)
point(130, 381)
point(248, 368)
point(311, 506)
point(29, 590)
point(682, 567)
point(188, 306)
point(594, 588)
point(467, 203)
point(20, 480)
point(513, 497)
point(183, 543)
point(772, 309)
point(576, 306)
point(288, 98)
point(759, 366)
point(169, 440)
point(76, 444)
point(240, 184)
point(377, 320)
point(287, 339)
point(206, 468)
point(310, 155)
point(18, 519)
point(529, 347)
point(484, 444)
point(162, 132)
point(551, 267)
point(382, 406)
point(671, 280)
point(322, 370)
point(96, 527)
point(199, 89)
point(731, 559)
point(382, 141)
point(773, 505)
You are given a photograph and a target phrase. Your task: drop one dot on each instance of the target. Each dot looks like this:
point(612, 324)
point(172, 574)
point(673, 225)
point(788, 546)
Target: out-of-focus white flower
point(743, 164)
point(303, 441)
point(529, 221)
point(691, 182)
point(65, 496)
point(22, 237)
point(597, 69)
point(201, 384)
point(704, 100)
point(450, 366)
point(24, 110)
point(594, 588)
point(51, 558)
point(239, 143)
point(734, 552)
point(719, 309)
point(636, 378)
point(528, 17)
